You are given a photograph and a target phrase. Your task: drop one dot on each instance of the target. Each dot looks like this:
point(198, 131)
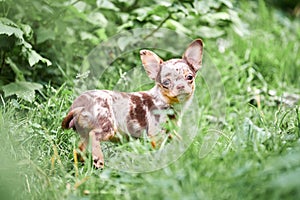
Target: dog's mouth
point(177, 98)
point(183, 97)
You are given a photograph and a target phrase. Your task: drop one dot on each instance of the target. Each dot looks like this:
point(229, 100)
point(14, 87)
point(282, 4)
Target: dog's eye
point(189, 77)
point(166, 83)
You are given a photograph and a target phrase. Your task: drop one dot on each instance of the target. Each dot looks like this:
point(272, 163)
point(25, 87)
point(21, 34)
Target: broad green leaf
point(142, 13)
point(124, 41)
point(24, 90)
point(126, 25)
point(159, 10)
point(75, 12)
point(101, 33)
point(106, 5)
point(7, 22)
point(86, 36)
point(205, 6)
point(44, 34)
point(227, 3)
point(27, 45)
point(80, 6)
point(214, 18)
point(34, 58)
point(10, 30)
point(166, 3)
point(27, 30)
point(201, 7)
point(97, 18)
point(208, 32)
point(177, 26)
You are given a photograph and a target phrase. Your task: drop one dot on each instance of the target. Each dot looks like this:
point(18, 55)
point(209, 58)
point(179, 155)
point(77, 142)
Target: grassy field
point(255, 154)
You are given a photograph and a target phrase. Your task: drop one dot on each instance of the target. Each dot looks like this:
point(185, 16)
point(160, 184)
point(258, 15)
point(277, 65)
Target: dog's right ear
point(151, 63)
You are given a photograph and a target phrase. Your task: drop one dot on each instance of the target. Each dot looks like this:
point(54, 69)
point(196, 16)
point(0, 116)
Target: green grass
point(256, 155)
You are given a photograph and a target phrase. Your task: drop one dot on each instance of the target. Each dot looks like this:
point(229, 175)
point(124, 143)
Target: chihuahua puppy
point(98, 115)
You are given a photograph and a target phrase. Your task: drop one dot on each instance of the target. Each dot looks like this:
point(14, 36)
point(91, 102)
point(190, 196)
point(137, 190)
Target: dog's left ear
point(193, 54)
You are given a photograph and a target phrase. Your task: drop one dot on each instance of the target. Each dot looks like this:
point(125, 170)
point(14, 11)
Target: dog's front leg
point(98, 158)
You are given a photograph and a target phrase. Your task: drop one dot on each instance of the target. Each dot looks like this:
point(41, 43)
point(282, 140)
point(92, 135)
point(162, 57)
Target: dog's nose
point(180, 87)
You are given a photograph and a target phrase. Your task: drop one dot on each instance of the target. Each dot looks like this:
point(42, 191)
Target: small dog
point(98, 115)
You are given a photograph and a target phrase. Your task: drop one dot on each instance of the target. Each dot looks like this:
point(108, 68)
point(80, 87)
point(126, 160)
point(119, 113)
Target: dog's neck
point(162, 102)
point(158, 97)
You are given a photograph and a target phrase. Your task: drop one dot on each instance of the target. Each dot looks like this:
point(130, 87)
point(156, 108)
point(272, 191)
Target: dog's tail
point(69, 121)
point(66, 123)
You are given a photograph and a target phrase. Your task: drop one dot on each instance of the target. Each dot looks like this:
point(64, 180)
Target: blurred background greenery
point(255, 46)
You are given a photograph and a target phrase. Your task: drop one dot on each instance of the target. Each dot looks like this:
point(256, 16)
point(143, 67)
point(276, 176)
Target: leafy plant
point(15, 51)
point(66, 32)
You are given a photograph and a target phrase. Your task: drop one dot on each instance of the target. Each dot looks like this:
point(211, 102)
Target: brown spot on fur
point(107, 126)
point(148, 101)
point(105, 121)
point(99, 100)
point(175, 61)
point(138, 112)
point(157, 117)
point(105, 104)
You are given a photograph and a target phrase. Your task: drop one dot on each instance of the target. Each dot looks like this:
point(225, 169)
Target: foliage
point(255, 48)
point(15, 49)
point(66, 31)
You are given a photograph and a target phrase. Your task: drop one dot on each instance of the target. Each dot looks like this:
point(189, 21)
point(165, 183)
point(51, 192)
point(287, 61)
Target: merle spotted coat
point(97, 115)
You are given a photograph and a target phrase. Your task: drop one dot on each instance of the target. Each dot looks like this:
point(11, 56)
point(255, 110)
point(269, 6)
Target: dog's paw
point(98, 162)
